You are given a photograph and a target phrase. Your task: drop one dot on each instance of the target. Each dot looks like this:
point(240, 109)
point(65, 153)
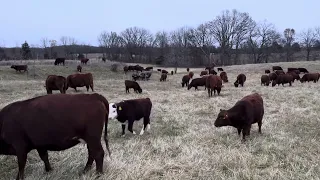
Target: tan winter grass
point(183, 142)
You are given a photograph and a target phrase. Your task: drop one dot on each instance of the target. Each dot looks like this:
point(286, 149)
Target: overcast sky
point(84, 20)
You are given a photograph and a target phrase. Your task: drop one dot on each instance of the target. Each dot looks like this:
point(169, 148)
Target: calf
point(213, 83)
point(163, 77)
point(54, 82)
point(267, 71)
point(20, 68)
point(164, 71)
point(241, 78)
point(79, 68)
point(220, 69)
point(310, 77)
point(273, 76)
point(132, 110)
point(55, 123)
point(59, 61)
point(134, 85)
point(197, 82)
point(80, 80)
point(224, 76)
point(84, 60)
point(185, 80)
point(274, 68)
point(265, 80)
point(243, 114)
point(191, 74)
point(211, 71)
point(283, 79)
point(203, 73)
point(303, 70)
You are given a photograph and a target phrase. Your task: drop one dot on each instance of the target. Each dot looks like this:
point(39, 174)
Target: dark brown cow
point(55, 122)
point(213, 72)
point(164, 71)
point(220, 69)
point(294, 75)
point(80, 80)
point(84, 60)
point(303, 70)
point(185, 80)
point(273, 76)
point(54, 82)
point(188, 69)
point(132, 110)
point(265, 80)
point(224, 76)
point(138, 68)
point(198, 82)
point(79, 68)
point(213, 83)
point(310, 77)
point(279, 72)
point(191, 74)
point(274, 68)
point(132, 84)
point(283, 79)
point(243, 114)
point(126, 69)
point(149, 68)
point(20, 68)
point(203, 73)
point(267, 71)
point(241, 78)
point(59, 61)
point(293, 69)
point(159, 70)
point(163, 77)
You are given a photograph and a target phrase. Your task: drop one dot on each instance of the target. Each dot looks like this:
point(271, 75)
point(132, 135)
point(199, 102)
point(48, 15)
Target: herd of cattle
point(56, 122)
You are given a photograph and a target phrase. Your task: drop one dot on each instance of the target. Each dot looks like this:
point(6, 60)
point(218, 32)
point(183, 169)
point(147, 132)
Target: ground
point(183, 142)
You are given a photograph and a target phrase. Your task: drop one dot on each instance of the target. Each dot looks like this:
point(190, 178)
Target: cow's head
point(113, 111)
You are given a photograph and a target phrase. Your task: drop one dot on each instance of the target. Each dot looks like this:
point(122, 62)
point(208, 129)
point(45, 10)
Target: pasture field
point(183, 142)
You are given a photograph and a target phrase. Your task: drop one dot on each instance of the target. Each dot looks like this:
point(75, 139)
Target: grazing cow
point(84, 60)
point(132, 110)
point(79, 68)
point(135, 76)
point(267, 71)
point(149, 68)
point(220, 69)
point(134, 85)
point(274, 68)
point(59, 61)
point(283, 79)
point(294, 75)
point(185, 80)
point(198, 82)
point(163, 77)
point(279, 72)
point(164, 71)
point(80, 80)
point(131, 68)
point(171, 72)
point(159, 70)
point(310, 77)
point(303, 70)
point(203, 73)
point(191, 74)
point(293, 69)
point(265, 80)
point(20, 68)
point(212, 71)
point(138, 68)
point(126, 69)
point(54, 82)
point(273, 76)
point(54, 123)
point(224, 76)
point(145, 75)
point(188, 69)
point(213, 83)
point(243, 114)
point(241, 78)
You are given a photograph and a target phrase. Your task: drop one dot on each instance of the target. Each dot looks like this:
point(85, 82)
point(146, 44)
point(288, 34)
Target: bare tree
point(110, 43)
point(64, 43)
point(288, 41)
point(308, 39)
point(45, 44)
point(53, 43)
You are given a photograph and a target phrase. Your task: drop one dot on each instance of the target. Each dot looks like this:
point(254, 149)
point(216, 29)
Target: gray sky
point(84, 20)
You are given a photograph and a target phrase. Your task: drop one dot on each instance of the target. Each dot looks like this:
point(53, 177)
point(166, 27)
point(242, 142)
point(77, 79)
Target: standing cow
point(54, 82)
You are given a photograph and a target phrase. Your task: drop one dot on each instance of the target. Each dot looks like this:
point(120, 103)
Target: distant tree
point(308, 40)
point(288, 40)
point(109, 43)
point(25, 50)
point(296, 47)
point(53, 44)
point(45, 44)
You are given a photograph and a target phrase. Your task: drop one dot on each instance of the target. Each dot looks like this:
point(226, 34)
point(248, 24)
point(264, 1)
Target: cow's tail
point(105, 137)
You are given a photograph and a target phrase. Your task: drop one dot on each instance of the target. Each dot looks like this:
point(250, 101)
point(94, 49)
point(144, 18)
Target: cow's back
point(254, 103)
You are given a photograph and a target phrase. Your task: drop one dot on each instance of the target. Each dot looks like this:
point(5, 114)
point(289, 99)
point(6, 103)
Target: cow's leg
point(239, 131)
point(91, 86)
point(146, 123)
point(90, 160)
point(130, 126)
point(75, 88)
point(21, 153)
point(123, 125)
point(87, 88)
point(44, 157)
point(259, 125)
point(96, 150)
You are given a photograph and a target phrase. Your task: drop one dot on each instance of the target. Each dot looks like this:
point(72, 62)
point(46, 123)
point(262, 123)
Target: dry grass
point(183, 142)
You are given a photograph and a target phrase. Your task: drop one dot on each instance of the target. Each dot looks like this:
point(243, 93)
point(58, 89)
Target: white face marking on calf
point(112, 111)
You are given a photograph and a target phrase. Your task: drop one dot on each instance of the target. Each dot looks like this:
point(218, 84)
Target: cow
point(20, 68)
point(198, 82)
point(59, 61)
point(131, 68)
point(185, 80)
point(149, 68)
point(80, 80)
point(265, 80)
point(220, 69)
point(241, 78)
point(145, 75)
point(188, 69)
point(79, 68)
point(267, 71)
point(84, 60)
point(212, 71)
point(303, 70)
point(163, 77)
point(55, 122)
point(138, 68)
point(273, 76)
point(293, 69)
point(135, 76)
point(171, 72)
point(208, 68)
point(224, 76)
point(191, 74)
point(213, 83)
point(203, 73)
point(54, 82)
point(274, 68)
point(247, 111)
point(294, 75)
point(131, 110)
point(164, 71)
point(126, 69)
point(132, 84)
point(310, 77)
point(283, 79)
point(279, 72)
point(159, 70)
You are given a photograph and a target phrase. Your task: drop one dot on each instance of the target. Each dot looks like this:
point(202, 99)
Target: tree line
point(232, 37)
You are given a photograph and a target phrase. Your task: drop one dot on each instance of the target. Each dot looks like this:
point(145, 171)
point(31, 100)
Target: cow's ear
point(221, 110)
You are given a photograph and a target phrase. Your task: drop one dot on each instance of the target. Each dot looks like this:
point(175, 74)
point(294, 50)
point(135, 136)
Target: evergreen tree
point(26, 53)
